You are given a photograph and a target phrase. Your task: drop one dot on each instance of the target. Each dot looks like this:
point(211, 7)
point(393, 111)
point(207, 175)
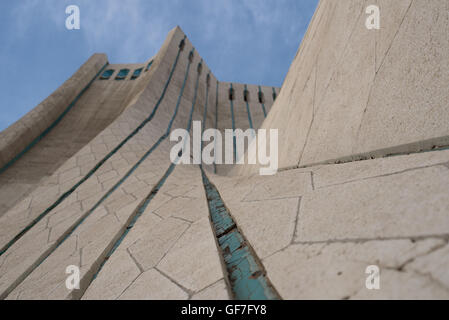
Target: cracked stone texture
point(433, 265)
point(217, 291)
point(199, 272)
point(353, 171)
point(391, 212)
point(175, 256)
point(408, 204)
point(120, 162)
point(23, 177)
point(95, 110)
point(351, 90)
point(265, 208)
point(315, 227)
point(337, 270)
point(115, 211)
point(89, 193)
point(49, 284)
point(117, 274)
point(269, 224)
point(418, 110)
point(152, 285)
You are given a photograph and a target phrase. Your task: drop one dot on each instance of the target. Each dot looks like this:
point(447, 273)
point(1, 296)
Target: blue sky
point(247, 41)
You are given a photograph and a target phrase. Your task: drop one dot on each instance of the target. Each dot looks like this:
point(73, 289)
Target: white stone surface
point(408, 204)
point(337, 270)
point(349, 91)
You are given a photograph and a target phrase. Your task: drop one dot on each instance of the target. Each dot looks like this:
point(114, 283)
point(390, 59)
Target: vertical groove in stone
point(246, 275)
point(72, 229)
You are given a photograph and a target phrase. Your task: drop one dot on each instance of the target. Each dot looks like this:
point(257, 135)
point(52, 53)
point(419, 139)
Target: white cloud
point(133, 30)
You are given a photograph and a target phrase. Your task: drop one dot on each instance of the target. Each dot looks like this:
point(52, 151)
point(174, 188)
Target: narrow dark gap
point(245, 274)
point(231, 94)
point(261, 97)
point(149, 66)
point(248, 111)
point(246, 95)
point(262, 101)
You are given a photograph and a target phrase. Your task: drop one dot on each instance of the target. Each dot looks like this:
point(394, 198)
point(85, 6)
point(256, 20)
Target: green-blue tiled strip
point(99, 164)
point(246, 275)
point(54, 123)
point(72, 229)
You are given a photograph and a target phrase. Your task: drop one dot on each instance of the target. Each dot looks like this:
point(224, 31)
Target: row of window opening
point(246, 95)
point(123, 73)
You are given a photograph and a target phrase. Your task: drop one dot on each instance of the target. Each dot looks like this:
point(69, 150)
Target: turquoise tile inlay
point(246, 275)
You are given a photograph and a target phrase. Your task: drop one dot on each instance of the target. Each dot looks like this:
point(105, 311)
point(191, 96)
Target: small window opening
point(149, 66)
point(182, 44)
point(246, 95)
point(107, 74)
point(136, 73)
point(191, 56)
point(208, 80)
point(261, 97)
point(122, 74)
point(274, 95)
point(200, 67)
point(231, 93)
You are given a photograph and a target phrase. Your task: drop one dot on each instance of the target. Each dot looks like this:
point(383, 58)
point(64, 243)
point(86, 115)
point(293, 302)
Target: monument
point(93, 207)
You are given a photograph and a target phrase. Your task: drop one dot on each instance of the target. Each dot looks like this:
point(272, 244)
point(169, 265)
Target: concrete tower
point(86, 180)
